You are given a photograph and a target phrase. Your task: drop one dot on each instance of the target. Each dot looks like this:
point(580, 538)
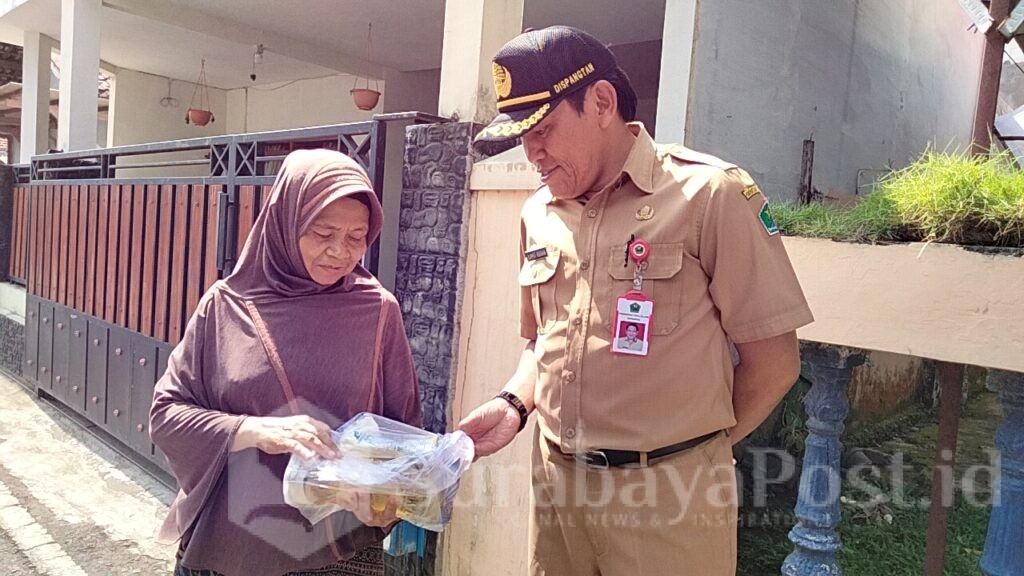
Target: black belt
point(616, 458)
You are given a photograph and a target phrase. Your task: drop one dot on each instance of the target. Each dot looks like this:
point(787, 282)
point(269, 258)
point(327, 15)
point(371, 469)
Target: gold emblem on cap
point(502, 80)
point(645, 213)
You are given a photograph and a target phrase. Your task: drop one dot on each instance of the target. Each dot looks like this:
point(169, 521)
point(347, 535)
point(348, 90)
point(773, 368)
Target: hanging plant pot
point(365, 98)
point(199, 113)
point(199, 117)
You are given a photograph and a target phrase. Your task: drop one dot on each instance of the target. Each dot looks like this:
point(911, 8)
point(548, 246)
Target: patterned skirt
point(367, 562)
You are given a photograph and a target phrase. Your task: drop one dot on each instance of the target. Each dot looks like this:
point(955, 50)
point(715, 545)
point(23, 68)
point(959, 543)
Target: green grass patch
point(948, 198)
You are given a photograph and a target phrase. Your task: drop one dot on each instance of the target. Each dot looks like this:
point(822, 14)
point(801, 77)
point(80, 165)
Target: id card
point(632, 326)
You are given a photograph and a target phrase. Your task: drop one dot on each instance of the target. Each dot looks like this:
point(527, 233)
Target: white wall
point(642, 63)
point(872, 82)
point(412, 91)
point(300, 104)
point(136, 115)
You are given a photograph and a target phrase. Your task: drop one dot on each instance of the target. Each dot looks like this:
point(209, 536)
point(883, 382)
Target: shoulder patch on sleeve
point(751, 191)
point(680, 152)
point(767, 220)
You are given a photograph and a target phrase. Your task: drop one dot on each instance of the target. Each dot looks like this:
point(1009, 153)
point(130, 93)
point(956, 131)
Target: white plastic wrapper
point(383, 458)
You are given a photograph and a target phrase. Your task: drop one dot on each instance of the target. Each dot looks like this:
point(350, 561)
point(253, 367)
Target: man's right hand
point(491, 426)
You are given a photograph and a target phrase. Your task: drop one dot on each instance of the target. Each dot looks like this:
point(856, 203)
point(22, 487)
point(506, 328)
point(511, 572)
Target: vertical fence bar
point(124, 262)
point(73, 234)
point(951, 382)
point(197, 225)
point(114, 216)
point(149, 244)
point(213, 194)
point(137, 258)
point(165, 245)
point(50, 263)
point(91, 257)
point(62, 243)
point(180, 242)
point(81, 262)
point(103, 226)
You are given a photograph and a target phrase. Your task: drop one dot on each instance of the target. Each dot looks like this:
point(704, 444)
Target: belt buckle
point(594, 459)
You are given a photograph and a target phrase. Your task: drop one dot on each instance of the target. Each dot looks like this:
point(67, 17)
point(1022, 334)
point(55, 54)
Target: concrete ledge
point(509, 170)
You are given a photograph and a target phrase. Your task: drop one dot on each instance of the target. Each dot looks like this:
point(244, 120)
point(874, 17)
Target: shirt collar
point(640, 161)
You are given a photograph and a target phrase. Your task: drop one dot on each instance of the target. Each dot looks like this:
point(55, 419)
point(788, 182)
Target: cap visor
point(511, 125)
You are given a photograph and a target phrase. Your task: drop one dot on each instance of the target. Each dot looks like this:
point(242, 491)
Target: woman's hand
point(373, 510)
point(300, 435)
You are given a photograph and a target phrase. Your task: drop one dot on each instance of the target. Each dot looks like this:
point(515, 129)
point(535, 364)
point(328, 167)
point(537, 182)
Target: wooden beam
point(991, 72)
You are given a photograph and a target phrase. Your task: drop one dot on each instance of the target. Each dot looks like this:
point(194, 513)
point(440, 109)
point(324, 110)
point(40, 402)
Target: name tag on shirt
point(536, 254)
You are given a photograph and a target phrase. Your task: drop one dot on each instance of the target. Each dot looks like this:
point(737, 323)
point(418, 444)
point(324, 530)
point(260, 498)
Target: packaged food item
point(383, 458)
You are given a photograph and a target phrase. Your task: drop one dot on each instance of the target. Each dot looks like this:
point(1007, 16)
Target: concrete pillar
point(35, 95)
point(676, 66)
point(815, 538)
point(79, 74)
point(474, 30)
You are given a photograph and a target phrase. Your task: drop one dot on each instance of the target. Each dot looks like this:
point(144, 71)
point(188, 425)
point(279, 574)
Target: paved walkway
point(69, 504)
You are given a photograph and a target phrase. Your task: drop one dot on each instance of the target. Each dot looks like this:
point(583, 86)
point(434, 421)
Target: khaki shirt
point(717, 272)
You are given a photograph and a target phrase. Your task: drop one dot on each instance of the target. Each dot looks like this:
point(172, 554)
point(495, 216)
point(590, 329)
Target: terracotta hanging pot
point(199, 113)
point(199, 117)
point(365, 98)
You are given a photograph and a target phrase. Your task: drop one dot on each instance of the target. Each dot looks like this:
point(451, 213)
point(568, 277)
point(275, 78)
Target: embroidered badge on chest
point(645, 213)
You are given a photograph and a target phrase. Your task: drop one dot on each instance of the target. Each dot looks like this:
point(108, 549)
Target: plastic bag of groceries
point(383, 458)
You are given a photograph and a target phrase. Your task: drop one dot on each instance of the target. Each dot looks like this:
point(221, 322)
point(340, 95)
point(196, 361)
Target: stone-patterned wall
point(430, 274)
point(12, 345)
point(431, 254)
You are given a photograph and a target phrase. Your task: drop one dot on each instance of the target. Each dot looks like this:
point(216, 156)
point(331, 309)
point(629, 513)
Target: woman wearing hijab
point(295, 342)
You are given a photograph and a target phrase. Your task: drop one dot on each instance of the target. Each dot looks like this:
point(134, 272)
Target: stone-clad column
point(1004, 544)
point(431, 254)
point(429, 279)
point(814, 537)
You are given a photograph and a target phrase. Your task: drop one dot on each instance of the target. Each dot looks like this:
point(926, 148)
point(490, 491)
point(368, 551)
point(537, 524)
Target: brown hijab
point(230, 513)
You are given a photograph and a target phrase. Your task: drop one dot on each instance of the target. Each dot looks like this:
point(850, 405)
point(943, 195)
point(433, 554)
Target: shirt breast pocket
point(663, 283)
point(540, 277)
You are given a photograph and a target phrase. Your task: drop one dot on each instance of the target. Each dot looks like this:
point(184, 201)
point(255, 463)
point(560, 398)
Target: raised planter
point(935, 301)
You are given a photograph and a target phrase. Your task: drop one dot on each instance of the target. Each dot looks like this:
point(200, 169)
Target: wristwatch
point(517, 404)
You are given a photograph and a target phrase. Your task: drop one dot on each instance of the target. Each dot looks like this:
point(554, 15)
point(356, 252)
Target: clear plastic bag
point(383, 458)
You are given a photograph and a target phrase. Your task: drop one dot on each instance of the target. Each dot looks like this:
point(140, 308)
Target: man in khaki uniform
point(632, 469)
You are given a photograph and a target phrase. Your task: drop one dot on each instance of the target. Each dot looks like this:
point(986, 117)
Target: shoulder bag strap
point(275, 358)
